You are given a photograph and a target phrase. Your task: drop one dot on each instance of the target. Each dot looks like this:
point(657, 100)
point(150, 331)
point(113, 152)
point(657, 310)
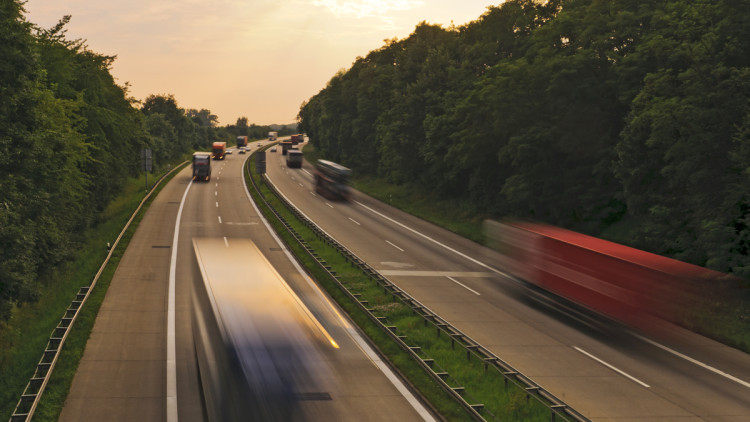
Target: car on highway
point(243, 150)
point(273, 149)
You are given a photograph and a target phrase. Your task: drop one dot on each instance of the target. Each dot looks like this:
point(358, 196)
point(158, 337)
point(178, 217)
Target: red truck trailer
point(631, 286)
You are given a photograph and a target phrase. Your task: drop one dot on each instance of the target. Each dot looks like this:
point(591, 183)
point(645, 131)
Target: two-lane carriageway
point(139, 363)
point(601, 372)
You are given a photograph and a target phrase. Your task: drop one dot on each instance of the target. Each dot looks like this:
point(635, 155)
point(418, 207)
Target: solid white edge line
point(463, 285)
point(391, 243)
point(621, 372)
point(171, 347)
point(694, 361)
point(363, 345)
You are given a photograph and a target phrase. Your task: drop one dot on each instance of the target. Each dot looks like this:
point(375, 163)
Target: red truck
point(631, 286)
point(219, 150)
point(297, 139)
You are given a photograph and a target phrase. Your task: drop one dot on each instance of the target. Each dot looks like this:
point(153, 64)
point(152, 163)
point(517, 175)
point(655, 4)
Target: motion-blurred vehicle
point(241, 141)
point(294, 158)
point(273, 149)
point(254, 339)
point(630, 286)
point(243, 150)
point(201, 166)
point(331, 180)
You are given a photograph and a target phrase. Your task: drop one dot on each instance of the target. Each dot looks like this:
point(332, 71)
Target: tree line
point(589, 114)
point(70, 137)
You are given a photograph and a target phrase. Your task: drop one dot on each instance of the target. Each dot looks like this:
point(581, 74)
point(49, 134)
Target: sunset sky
point(254, 58)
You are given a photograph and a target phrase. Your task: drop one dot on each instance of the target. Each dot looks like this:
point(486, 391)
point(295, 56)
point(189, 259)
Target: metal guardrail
point(32, 394)
point(556, 406)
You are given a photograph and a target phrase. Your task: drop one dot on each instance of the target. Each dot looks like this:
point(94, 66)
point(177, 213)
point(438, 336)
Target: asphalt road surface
point(604, 372)
point(139, 363)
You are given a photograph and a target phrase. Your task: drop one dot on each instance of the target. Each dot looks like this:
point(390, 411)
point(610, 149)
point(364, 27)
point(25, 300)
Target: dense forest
point(70, 137)
point(589, 114)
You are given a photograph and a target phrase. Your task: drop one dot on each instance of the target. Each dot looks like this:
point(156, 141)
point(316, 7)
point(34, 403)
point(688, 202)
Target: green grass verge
point(502, 400)
point(25, 336)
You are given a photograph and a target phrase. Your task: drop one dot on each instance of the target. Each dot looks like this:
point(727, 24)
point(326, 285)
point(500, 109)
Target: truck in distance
point(331, 180)
point(297, 139)
point(241, 141)
point(219, 150)
point(294, 158)
point(285, 146)
point(272, 136)
point(202, 166)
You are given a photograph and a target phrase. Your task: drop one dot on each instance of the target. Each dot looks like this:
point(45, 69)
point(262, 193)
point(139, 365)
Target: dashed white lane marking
point(354, 221)
point(463, 285)
point(329, 205)
point(217, 205)
point(226, 242)
point(694, 361)
point(219, 219)
point(391, 243)
point(619, 371)
point(307, 172)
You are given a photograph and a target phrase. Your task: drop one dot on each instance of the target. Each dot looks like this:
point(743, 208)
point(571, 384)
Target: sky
point(258, 59)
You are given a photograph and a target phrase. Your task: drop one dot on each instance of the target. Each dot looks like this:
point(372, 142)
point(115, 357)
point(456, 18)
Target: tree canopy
point(70, 137)
point(581, 113)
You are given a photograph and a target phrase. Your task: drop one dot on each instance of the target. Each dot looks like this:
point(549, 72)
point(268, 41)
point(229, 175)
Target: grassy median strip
point(502, 400)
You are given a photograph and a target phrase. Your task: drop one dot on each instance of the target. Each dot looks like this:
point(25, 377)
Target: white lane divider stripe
point(694, 361)
point(463, 285)
point(619, 371)
point(391, 243)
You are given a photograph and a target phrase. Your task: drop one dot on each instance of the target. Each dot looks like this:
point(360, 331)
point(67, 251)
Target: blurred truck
point(331, 180)
point(297, 139)
point(631, 286)
point(241, 141)
point(202, 166)
point(294, 158)
point(272, 136)
point(219, 150)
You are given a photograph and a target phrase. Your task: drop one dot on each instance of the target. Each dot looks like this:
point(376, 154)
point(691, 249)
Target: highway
point(139, 363)
point(604, 372)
